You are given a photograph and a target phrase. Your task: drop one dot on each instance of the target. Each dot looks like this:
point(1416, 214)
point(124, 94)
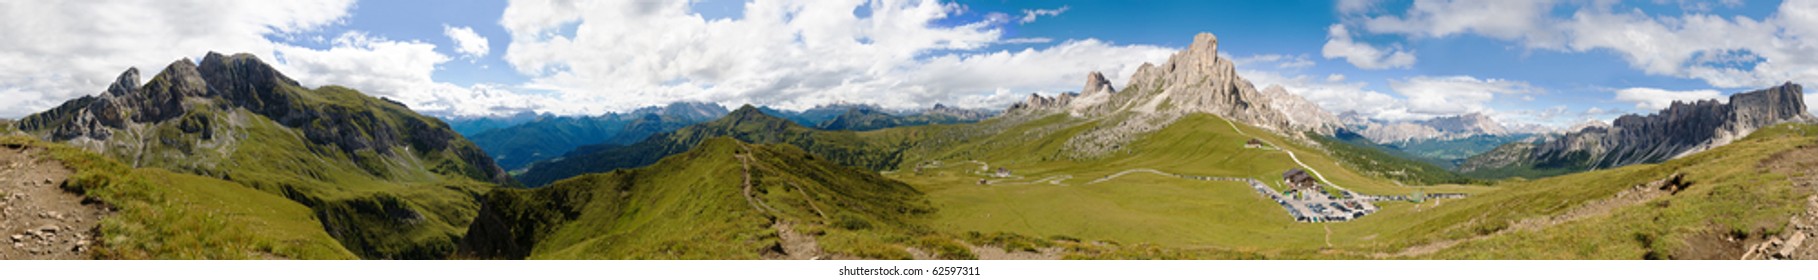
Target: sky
point(1550, 62)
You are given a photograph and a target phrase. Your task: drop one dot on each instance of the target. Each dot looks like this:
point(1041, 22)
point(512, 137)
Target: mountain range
point(515, 147)
point(871, 150)
point(1680, 130)
point(544, 137)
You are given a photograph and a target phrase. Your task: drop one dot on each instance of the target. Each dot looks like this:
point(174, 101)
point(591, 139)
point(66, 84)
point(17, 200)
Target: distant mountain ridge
point(469, 126)
point(1438, 128)
point(858, 116)
point(1679, 130)
point(747, 124)
point(870, 118)
point(548, 137)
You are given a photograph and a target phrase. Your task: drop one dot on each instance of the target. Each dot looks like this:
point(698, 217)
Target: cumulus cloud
point(1724, 52)
point(790, 53)
point(1029, 15)
point(1413, 98)
point(1339, 44)
point(471, 45)
point(1653, 99)
point(1331, 92)
point(402, 70)
point(1455, 95)
point(60, 50)
point(1497, 19)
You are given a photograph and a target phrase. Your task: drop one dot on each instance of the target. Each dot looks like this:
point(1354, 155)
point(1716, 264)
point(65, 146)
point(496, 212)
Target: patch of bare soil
point(793, 244)
point(1799, 239)
point(38, 219)
point(995, 253)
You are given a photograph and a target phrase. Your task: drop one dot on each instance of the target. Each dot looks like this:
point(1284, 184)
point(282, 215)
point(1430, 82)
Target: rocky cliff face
point(1679, 130)
point(1301, 114)
point(1195, 80)
point(205, 99)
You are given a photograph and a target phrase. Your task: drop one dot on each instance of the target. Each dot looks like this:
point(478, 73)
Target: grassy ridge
point(162, 215)
point(666, 210)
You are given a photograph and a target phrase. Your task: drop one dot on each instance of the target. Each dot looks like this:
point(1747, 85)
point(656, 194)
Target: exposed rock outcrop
point(1096, 82)
point(1194, 80)
point(1301, 114)
point(1682, 129)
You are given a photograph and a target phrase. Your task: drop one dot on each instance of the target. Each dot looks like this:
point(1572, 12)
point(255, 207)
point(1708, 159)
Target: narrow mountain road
point(1322, 178)
point(1131, 171)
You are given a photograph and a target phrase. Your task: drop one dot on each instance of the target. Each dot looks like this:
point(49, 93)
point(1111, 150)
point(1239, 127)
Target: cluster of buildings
point(1307, 200)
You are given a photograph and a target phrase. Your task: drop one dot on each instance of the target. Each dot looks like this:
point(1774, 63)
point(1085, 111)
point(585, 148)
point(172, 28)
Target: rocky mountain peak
point(241, 73)
point(1096, 82)
point(1467, 124)
point(1204, 50)
point(751, 114)
point(127, 83)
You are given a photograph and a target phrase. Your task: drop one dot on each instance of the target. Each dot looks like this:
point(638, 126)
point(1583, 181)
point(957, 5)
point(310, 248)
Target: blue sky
point(1549, 62)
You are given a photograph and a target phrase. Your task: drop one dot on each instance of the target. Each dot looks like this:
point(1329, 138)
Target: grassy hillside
point(164, 215)
point(670, 211)
point(1743, 191)
point(1134, 208)
point(405, 202)
point(1733, 195)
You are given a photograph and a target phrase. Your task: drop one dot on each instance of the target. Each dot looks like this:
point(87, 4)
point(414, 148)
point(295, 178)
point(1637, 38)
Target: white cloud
point(471, 45)
point(1455, 94)
point(1332, 93)
point(1340, 44)
point(1355, 6)
point(1030, 40)
point(60, 50)
point(400, 70)
point(1723, 51)
point(1497, 19)
point(1811, 102)
point(789, 53)
point(1030, 15)
point(1653, 99)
